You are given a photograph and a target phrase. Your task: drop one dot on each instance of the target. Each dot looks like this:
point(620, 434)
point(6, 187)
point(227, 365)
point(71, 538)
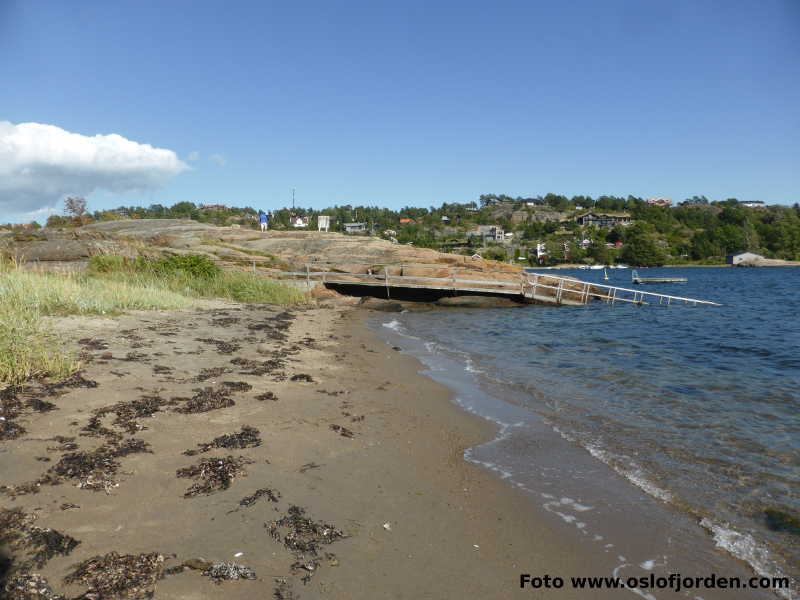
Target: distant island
point(542, 231)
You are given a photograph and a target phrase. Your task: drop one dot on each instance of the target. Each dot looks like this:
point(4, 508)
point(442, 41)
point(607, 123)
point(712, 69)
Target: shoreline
point(650, 535)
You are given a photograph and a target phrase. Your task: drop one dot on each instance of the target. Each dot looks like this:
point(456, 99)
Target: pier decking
point(528, 287)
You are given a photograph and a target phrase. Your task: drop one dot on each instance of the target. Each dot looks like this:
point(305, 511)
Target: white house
point(355, 227)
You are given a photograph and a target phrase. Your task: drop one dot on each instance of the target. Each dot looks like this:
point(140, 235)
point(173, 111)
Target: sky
point(410, 103)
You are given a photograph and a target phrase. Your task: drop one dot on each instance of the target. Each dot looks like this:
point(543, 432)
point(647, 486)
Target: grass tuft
point(113, 284)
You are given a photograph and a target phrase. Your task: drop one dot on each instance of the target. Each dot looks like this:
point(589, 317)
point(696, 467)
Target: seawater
point(698, 407)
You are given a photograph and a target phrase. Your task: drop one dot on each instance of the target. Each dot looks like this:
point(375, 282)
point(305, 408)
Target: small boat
point(636, 279)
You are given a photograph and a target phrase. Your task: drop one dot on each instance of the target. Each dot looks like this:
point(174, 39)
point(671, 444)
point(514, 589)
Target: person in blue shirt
point(264, 220)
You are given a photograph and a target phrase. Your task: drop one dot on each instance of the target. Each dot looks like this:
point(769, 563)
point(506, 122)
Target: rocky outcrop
point(277, 251)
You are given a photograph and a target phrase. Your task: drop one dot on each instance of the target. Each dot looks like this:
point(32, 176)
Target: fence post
point(386, 279)
point(308, 278)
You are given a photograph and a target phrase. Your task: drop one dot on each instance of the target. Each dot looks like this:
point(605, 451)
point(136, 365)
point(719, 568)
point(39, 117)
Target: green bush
point(193, 265)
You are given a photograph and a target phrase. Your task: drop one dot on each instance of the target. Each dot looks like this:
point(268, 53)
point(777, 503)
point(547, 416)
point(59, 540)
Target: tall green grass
point(196, 277)
point(112, 285)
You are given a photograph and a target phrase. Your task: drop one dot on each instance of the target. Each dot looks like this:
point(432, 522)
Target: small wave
point(397, 327)
point(632, 473)
point(744, 547)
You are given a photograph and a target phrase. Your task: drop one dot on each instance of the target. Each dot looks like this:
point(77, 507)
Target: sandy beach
point(347, 431)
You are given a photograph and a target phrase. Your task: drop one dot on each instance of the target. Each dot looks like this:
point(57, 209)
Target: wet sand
point(368, 447)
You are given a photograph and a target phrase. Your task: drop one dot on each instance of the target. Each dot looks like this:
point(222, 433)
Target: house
point(323, 223)
point(390, 233)
point(299, 222)
point(663, 202)
point(407, 222)
point(743, 257)
point(445, 219)
point(213, 207)
point(754, 204)
point(607, 220)
point(355, 227)
point(491, 233)
point(585, 244)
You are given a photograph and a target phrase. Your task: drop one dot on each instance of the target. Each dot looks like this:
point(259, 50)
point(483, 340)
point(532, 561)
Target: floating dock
point(639, 280)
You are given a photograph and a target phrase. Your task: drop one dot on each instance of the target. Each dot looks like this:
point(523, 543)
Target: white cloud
point(40, 164)
point(218, 160)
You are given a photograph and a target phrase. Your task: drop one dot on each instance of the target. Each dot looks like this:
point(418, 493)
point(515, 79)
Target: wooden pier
point(526, 288)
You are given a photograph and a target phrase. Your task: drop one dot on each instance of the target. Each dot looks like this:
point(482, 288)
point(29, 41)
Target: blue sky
point(417, 103)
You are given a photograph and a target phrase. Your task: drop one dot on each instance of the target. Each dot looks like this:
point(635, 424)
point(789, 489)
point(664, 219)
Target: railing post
point(559, 290)
point(386, 278)
point(308, 277)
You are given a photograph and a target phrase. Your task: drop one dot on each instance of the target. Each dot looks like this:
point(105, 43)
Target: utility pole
point(292, 199)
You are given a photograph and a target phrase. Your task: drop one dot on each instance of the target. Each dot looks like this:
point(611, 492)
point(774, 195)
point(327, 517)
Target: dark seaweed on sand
point(94, 469)
point(237, 386)
point(267, 396)
point(248, 437)
point(210, 373)
point(126, 415)
point(302, 377)
point(220, 572)
point(28, 586)
point(40, 405)
point(254, 367)
point(93, 343)
point(303, 536)
point(10, 408)
point(76, 381)
point(223, 347)
point(39, 544)
point(343, 431)
point(119, 576)
point(10, 430)
point(272, 496)
point(205, 400)
point(48, 543)
point(213, 474)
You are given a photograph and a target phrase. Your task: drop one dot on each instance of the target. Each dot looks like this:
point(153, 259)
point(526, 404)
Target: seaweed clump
point(237, 386)
point(119, 575)
point(205, 400)
point(28, 586)
point(39, 544)
point(272, 496)
point(219, 572)
point(222, 346)
point(210, 373)
point(94, 470)
point(343, 431)
point(248, 437)
point(126, 415)
point(10, 408)
point(303, 537)
point(213, 474)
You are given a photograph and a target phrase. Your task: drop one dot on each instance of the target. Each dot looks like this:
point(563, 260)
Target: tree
point(75, 206)
point(642, 251)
